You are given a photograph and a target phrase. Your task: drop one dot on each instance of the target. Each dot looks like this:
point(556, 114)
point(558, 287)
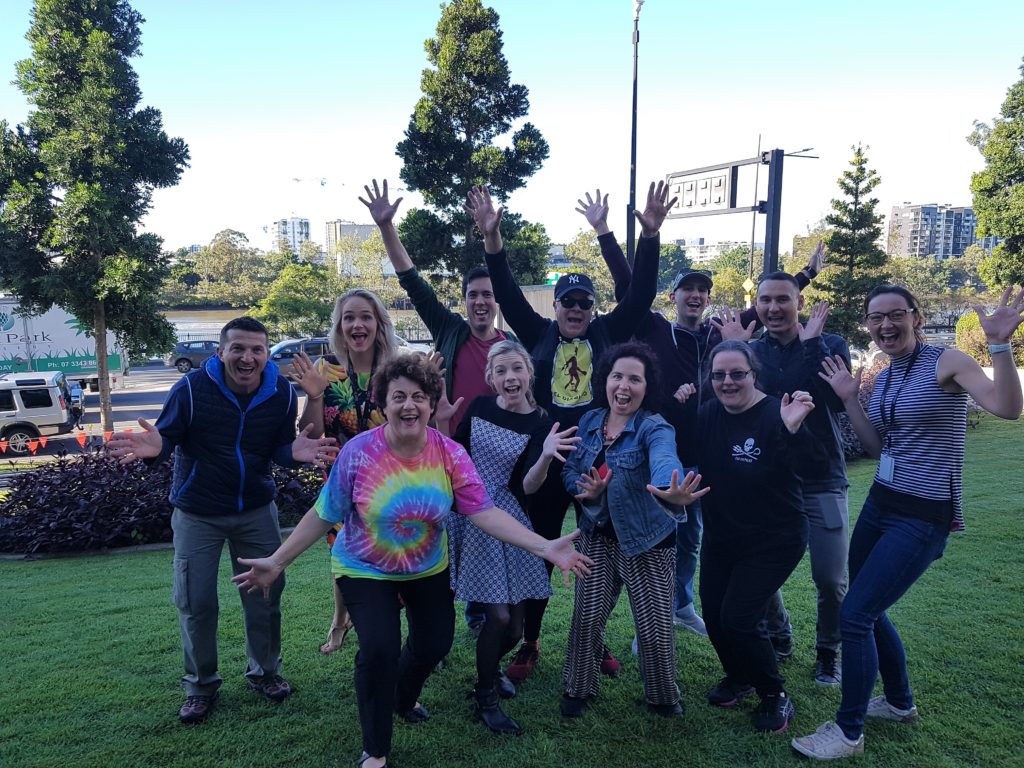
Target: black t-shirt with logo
point(751, 462)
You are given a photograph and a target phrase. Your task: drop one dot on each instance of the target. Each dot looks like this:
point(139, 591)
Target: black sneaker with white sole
point(774, 713)
point(728, 693)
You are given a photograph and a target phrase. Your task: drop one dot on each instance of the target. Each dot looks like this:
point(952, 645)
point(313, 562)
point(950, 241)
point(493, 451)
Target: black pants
point(546, 522)
point(389, 677)
point(736, 583)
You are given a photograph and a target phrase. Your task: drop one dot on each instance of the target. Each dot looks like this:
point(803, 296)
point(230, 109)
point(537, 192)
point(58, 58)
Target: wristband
point(316, 399)
point(811, 271)
point(996, 348)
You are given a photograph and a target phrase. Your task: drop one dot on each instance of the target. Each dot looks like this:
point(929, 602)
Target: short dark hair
point(413, 367)
point(785, 277)
point(474, 274)
point(732, 345)
point(911, 299)
point(244, 323)
point(643, 353)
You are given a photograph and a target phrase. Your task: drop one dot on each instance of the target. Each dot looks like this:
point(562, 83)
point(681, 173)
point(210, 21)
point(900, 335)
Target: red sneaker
point(609, 664)
point(523, 662)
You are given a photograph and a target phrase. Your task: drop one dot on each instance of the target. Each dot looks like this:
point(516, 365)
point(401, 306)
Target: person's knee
point(740, 621)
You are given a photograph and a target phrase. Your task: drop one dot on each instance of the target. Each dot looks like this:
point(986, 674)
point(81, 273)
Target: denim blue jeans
point(888, 553)
point(687, 549)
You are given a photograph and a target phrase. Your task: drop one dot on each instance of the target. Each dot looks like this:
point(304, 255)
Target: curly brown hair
point(413, 367)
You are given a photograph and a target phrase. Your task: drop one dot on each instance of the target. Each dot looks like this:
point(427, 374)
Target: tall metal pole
point(631, 206)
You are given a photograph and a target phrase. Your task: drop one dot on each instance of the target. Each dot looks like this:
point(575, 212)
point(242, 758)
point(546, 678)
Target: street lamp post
point(631, 206)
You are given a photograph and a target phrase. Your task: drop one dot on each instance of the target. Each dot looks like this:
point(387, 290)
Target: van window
point(6, 400)
point(36, 398)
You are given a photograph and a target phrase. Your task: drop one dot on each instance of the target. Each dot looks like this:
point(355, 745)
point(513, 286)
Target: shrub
point(970, 339)
point(91, 502)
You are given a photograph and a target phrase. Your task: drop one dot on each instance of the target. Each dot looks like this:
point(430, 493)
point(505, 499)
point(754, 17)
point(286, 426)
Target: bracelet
point(996, 348)
point(316, 399)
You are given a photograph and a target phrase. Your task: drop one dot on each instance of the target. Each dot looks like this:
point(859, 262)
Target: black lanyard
point(890, 424)
point(362, 399)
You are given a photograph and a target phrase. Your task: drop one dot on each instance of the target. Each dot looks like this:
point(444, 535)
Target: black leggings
point(390, 676)
point(549, 525)
point(499, 635)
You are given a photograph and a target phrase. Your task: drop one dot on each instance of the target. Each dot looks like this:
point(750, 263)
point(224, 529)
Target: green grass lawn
point(94, 658)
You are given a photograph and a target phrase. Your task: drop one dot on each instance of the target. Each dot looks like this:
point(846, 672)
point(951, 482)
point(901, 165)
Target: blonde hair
point(509, 347)
point(385, 346)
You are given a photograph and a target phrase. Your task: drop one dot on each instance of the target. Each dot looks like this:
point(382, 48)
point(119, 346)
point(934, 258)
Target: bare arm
point(554, 444)
point(847, 388)
point(264, 571)
point(383, 214)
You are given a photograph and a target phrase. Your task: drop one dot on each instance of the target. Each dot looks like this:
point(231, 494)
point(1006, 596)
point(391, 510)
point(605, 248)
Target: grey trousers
point(828, 540)
point(198, 543)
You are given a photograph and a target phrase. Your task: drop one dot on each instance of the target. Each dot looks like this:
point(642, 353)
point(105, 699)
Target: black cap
point(691, 274)
point(573, 281)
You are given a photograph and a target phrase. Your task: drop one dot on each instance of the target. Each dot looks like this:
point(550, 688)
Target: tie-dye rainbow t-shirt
point(394, 508)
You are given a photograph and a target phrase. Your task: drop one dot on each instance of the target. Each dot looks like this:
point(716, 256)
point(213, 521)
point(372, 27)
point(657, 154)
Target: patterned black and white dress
point(503, 446)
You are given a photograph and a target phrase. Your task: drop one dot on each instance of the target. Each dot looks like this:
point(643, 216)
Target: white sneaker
point(882, 709)
point(828, 743)
point(693, 622)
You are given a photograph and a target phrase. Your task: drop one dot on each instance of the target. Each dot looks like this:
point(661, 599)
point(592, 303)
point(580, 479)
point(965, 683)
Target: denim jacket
point(645, 452)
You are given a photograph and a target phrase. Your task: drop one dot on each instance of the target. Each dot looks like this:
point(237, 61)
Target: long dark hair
point(911, 300)
point(643, 353)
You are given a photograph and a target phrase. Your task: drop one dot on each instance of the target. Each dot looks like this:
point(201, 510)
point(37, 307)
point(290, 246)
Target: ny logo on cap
point(574, 278)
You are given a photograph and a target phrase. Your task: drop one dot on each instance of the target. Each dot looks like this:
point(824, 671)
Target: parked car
point(191, 354)
point(283, 352)
point(32, 405)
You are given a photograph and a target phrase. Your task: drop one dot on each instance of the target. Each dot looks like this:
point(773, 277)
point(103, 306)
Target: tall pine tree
point(77, 179)
point(468, 103)
point(857, 263)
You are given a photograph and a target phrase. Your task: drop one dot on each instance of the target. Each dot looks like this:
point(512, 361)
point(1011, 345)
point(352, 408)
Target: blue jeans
point(888, 553)
point(687, 550)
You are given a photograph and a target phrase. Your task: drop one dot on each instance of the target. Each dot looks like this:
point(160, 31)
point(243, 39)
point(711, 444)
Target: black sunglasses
point(570, 303)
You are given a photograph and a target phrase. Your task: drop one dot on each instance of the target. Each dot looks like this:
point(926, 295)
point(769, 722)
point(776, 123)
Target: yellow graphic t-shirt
point(571, 375)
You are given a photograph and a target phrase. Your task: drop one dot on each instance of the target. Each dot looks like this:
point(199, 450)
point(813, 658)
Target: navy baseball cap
point(573, 281)
point(692, 274)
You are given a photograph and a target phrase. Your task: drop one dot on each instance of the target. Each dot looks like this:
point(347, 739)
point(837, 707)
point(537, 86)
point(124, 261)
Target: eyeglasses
point(570, 303)
point(896, 316)
point(734, 375)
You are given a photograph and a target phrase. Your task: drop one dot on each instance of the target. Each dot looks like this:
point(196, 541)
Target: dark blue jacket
point(222, 452)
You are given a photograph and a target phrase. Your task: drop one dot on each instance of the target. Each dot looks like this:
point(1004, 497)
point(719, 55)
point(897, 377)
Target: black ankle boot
point(490, 713)
point(505, 687)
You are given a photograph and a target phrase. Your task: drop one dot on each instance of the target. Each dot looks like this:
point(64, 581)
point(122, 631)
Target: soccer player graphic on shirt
point(570, 381)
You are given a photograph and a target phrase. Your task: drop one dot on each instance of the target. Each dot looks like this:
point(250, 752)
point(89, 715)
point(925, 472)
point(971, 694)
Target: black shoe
point(196, 709)
point(667, 710)
point(783, 647)
point(418, 714)
point(728, 693)
point(570, 706)
point(505, 687)
point(774, 713)
point(827, 670)
point(490, 713)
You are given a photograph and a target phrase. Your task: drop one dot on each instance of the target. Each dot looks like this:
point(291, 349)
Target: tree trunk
point(99, 319)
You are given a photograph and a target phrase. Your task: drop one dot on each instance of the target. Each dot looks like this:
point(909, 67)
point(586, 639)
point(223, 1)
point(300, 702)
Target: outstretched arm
point(847, 388)
point(264, 571)
point(595, 211)
point(382, 211)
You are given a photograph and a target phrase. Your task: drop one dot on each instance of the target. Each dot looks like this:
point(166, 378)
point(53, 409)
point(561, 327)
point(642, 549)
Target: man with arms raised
point(226, 422)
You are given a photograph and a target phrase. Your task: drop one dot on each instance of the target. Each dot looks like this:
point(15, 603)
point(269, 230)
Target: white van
point(33, 404)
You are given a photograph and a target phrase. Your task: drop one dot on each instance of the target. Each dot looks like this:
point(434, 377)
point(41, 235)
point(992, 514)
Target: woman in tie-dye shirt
point(393, 487)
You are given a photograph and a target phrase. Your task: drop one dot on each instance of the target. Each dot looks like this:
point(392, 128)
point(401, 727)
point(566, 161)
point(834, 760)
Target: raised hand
point(680, 494)
point(843, 383)
point(445, 410)
point(817, 262)
point(556, 442)
point(304, 371)
point(436, 359)
point(1000, 325)
point(319, 451)
point(381, 211)
point(684, 392)
point(127, 447)
point(481, 209)
point(795, 409)
point(596, 212)
point(816, 322)
point(592, 485)
point(262, 573)
point(561, 553)
point(730, 325)
point(657, 209)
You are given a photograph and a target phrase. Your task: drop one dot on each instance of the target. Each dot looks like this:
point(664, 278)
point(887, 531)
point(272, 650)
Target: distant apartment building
point(339, 235)
point(939, 231)
point(698, 251)
point(290, 233)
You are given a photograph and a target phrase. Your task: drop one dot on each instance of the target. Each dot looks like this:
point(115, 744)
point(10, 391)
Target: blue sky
point(268, 92)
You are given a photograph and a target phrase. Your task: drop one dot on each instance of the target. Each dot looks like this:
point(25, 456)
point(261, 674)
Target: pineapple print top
point(347, 410)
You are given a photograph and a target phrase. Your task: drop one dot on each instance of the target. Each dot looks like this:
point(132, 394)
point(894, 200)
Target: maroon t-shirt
point(468, 375)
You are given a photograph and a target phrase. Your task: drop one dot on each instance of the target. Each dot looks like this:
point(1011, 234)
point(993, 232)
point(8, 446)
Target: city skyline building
point(291, 232)
point(939, 231)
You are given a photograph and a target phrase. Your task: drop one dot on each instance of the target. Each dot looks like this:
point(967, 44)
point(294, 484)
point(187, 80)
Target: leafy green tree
point(673, 261)
point(857, 262)
point(78, 177)
point(300, 301)
point(235, 274)
point(468, 103)
point(999, 188)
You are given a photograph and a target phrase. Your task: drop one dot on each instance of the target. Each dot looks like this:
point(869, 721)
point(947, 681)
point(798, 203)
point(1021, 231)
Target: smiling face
point(407, 409)
point(691, 298)
point(626, 386)
point(358, 325)
point(778, 304)
point(894, 338)
point(736, 396)
point(481, 308)
point(244, 356)
point(574, 321)
point(509, 377)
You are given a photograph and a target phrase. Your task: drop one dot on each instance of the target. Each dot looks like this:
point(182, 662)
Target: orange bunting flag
point(42, 440)
point(81, 438)
point(107, 436)
point(33, 445)
point(3, 446)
